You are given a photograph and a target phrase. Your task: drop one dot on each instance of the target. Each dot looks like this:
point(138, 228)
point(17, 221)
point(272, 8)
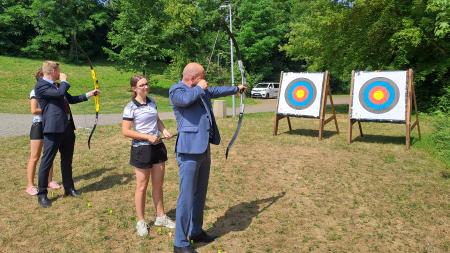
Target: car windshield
point(262, 85)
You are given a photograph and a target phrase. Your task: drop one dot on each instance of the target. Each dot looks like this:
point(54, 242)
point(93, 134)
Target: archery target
point(300, 94)
point(379, 95)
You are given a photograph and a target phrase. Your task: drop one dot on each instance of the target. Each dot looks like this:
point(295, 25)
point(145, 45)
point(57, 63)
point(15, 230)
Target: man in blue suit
point(58, 127)
point(191, 101)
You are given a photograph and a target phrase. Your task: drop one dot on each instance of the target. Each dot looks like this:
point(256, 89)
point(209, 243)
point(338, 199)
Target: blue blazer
point(193, 119)
point(51, 101)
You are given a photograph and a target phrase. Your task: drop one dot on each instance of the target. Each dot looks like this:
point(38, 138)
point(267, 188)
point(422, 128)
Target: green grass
point(284, 193)
point(17, 80)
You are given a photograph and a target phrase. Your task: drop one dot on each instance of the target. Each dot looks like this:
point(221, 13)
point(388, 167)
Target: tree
point(58, 23)
point(373, 35)
point(261, 27)
point(15, 24)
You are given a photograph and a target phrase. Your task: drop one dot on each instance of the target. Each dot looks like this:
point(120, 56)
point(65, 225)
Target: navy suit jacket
point(193, 119)
point(51, 101)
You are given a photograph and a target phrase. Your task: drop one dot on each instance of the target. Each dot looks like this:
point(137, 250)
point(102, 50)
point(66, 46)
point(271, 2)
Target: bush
point(441, 137)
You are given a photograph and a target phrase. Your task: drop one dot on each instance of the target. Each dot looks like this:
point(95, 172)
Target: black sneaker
point(202, 237)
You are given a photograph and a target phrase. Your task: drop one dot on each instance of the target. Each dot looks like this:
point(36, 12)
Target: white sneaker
point(142, 228)
point(164, 221)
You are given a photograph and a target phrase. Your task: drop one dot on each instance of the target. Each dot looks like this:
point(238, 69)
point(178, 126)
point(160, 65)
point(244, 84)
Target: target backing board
point(379, 96)
point(300, 94)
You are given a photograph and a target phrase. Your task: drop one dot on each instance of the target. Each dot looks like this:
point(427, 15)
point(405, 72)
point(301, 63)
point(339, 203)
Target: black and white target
point(379, 95)
point(300, 94)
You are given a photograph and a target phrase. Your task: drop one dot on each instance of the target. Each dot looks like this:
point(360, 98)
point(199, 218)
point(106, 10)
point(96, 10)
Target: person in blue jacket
point(197, 128)
point(58, 127)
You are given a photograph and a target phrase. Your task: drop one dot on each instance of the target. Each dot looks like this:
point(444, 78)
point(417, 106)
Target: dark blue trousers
point(54, 142)
point(193, 175)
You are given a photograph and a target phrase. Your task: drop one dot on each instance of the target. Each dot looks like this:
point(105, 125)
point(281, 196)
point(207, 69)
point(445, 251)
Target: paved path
point(19, 124)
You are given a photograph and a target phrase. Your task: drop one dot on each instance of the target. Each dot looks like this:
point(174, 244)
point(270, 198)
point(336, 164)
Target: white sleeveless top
point(36, 117)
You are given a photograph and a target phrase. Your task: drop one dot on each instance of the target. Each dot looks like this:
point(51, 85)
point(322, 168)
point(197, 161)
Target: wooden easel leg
point(350, 130)
point(333, 111)
point(321, 129)
point(289, 123)
point(275, 128)
point(408, 134)
point(417, 112)
point(418, 126)
point(360, 129)
point(409, 101)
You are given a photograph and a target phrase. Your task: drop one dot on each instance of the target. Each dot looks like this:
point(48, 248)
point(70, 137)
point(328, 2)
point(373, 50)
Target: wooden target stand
point(326, 92)
point(410, 102)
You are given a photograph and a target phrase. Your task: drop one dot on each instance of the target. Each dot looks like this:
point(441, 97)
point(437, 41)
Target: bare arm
point(127, 131)
point(163, 129)
point(34, 106)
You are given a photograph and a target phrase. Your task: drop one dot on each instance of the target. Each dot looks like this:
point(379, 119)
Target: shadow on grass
point(384, 139)
point(240, 216)
point(312, 132)
point(108, 182)
point(92, 174)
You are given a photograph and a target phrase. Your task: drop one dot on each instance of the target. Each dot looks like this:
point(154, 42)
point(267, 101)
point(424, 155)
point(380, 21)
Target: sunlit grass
point(17, 80)
point(285, 193)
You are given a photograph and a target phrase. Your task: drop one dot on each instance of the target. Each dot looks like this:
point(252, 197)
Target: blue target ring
point(379, 95)
point(300, 93)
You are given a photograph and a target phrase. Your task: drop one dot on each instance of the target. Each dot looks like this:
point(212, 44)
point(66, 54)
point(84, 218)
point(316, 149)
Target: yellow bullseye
point(300, 93)
point(378, 95)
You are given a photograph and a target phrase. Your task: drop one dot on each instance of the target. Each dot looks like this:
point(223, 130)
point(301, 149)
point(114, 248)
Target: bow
point(96, 86)
point(244, 82)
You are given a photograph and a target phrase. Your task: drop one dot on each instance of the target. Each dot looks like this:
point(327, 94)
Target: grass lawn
point(285, 193)
point(17, 80)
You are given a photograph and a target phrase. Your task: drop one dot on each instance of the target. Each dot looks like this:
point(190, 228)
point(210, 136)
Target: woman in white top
point(36, 142)
point(148, 155)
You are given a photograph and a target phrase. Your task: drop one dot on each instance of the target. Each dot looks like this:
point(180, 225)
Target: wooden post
point(323, 104)
point(275, 128)
point(333, 111)
point(417, 112)
point(326, 92)
point(278, 117)
point(289, 123)
point(408, 109)
point(350, 105)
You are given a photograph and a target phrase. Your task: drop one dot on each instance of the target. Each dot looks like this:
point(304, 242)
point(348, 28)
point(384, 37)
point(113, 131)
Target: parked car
point(265, 90)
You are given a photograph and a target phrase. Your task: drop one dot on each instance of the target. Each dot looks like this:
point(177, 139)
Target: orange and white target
point(379, 96)
point(300, 94)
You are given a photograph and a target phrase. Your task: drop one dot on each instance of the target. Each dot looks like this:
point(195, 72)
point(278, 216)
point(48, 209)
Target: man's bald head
point(193, 71)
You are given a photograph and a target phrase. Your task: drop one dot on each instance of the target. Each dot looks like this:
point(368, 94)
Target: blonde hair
point(49, 66)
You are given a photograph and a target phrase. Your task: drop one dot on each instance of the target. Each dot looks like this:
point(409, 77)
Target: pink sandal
point(32, 190)
point(54, 185)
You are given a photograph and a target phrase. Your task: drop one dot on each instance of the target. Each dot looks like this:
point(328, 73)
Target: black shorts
point(143, 157)
point(36, 131)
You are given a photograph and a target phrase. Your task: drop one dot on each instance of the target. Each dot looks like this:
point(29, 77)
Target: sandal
point(54, 185)
point(32, 190)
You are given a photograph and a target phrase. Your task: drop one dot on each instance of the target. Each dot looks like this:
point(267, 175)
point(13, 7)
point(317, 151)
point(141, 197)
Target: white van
point(266, 90)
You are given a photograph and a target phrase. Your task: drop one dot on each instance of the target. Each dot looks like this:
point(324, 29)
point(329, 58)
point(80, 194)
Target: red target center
point(300, 93)
point(378, 95)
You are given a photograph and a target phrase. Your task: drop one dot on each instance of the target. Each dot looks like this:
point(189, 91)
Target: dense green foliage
point(376, 35)
point(273, 35)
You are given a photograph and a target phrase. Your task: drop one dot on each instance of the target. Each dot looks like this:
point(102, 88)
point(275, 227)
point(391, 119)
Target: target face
point(379, 96)
point(300, 94)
